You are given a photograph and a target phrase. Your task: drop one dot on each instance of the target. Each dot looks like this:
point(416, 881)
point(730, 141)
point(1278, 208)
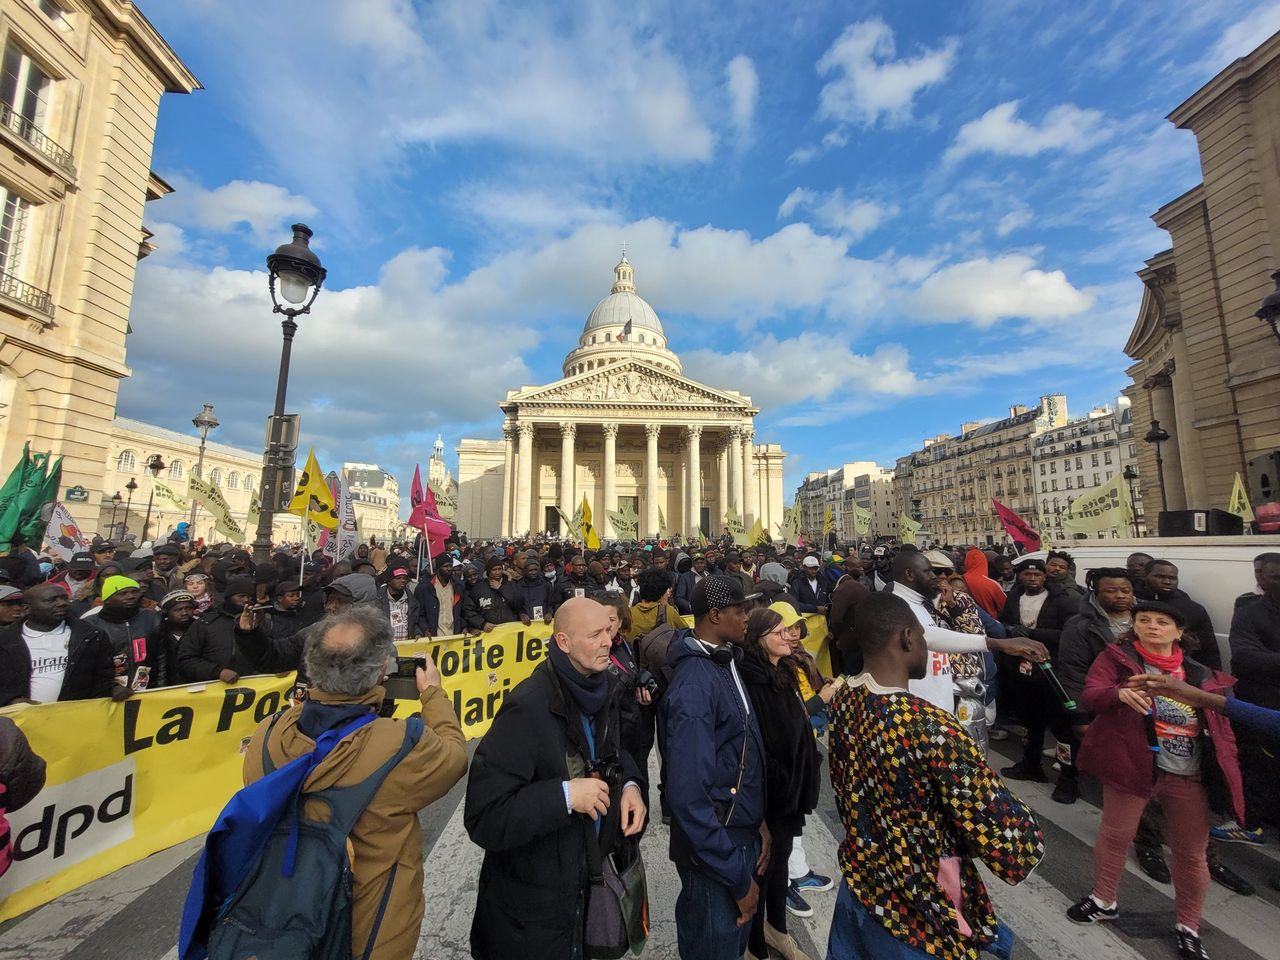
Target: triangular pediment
point(629, 383)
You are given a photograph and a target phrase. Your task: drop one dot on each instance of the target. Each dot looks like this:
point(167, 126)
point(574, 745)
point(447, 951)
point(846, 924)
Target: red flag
point(1018, 529)
point(426, 517)
point(415, 491)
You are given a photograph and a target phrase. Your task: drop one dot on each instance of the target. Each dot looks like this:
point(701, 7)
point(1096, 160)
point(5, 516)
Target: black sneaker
point(1067, 791)
point(1189, 945)
point(1024, 771)
point(1151, 862)
point(1230, 879)
point(1086, 910)
point(797, 904)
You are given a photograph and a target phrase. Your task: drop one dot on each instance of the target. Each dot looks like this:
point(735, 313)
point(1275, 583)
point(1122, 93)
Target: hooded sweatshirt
point(982, 588)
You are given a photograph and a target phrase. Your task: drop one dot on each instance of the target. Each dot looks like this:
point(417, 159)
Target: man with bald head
point(549, 775)
point(52, 655)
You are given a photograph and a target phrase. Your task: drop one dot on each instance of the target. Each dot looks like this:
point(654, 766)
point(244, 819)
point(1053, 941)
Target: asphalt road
point(133, 914)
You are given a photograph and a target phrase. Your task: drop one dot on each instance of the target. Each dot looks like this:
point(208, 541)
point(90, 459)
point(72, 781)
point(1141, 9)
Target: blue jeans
point(707, 918)
point(856, 935)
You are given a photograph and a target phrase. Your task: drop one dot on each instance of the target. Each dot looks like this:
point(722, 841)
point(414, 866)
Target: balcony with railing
point(33, 298)
point(30, 132)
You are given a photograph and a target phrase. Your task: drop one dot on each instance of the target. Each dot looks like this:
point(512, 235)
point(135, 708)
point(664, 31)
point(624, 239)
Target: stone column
point(735, 470)
point(521, 522)
point(508, 475)
point(722, 475)
point(694, 470)
point(568, 431)
point(651, 431)
point(679, 485)
point(751, 485)
point(610, 478)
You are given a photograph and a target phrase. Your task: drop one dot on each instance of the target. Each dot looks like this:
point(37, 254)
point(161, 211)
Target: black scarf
point(589, 693)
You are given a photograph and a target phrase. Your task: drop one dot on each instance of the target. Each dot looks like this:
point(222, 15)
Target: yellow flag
point(861, 520)
point(733, 523)
point(907, 528)
point(828, 523)
point(662, 524)
point(756, 534)
point(1239, 503)
point(589, 538)
point(1099, 509)
point(312, 499)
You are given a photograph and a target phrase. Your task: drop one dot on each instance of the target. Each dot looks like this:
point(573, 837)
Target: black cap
point(104, 546)
point(716, 593)
point(81, 561)
point(1156, 606)
point(1035, 563)
point(240, 585)
point(170, 549)
point(287, 586)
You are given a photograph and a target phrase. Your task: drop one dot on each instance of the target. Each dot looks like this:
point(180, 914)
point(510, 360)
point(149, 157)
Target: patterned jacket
point(912, 789)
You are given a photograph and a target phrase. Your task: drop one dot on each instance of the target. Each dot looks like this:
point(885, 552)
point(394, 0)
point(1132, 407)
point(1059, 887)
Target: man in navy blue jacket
point(714, 773)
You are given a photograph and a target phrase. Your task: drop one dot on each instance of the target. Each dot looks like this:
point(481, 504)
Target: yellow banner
point(861, 520)
point(210, 495)
point(1099, 509)
point(155, 771)
point(1239, 503)
point(907, 528)
point(167, 494)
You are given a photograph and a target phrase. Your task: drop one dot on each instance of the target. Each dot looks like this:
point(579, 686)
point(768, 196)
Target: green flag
point(34, 470)
point(34, 517)
point(9, 492)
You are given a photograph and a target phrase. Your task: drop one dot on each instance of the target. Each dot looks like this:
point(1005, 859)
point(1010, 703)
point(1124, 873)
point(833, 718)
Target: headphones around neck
point(725, 655)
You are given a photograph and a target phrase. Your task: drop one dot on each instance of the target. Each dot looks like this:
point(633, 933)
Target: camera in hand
point(608, 769)
point(646, 681)
point(402, 683)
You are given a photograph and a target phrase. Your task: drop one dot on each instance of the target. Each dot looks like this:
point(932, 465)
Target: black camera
point(402, 682)
point(608, 769)
point(646, 681)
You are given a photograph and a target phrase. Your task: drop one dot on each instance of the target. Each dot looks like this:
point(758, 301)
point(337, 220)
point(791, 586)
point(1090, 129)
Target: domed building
point(626, 429)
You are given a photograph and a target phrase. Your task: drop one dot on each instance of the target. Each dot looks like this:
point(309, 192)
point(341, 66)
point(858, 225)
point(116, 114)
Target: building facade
point(132, 443)
point(375, 495)
point(862, 482)
point(80, 87)
point(948, 484)
point(1204, 366)
point(627, 430)
point(1079, 455)
point(441, 482)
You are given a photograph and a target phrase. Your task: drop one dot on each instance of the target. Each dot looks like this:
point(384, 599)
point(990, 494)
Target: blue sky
point(879, 220)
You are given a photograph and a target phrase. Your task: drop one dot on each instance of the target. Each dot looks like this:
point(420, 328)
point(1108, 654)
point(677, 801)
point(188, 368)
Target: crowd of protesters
point(700, 651)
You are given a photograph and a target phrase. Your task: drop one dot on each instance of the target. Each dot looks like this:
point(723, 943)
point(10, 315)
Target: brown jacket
point(387, 833)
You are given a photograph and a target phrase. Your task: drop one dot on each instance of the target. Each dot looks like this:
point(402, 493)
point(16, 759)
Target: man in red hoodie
point(985, 591)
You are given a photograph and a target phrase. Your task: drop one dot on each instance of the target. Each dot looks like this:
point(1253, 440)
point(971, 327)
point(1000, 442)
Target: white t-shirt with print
point(48, 660)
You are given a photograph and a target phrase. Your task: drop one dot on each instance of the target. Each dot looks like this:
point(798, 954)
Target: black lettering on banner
point(35, 838)
point(234, 700)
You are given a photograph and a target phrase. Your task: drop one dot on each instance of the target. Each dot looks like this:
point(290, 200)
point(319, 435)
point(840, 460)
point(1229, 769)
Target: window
point(215, 476)
point(175, 470)
point(1079, 463)
point(1044, 486)
point(51, 10)
point(1055, 485)
point(248, 482)
point(127, 462)
point(13, 229)
point(1097, 481)
point(1133, 451)
point(608, 337)
point(1068, 483)
point(1042, 469)
point(1053, 467)
point(1106, 458)
point(1095, 461)
point(25, 88)
point(642, 338)
point(233, 481)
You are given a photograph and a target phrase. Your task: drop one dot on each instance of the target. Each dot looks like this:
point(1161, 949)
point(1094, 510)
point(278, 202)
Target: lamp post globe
point(299, 274)
point(1156, 436)
point(204, 421)
point(155, 463)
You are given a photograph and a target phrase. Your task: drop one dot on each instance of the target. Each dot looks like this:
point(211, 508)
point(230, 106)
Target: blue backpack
point(272, 884)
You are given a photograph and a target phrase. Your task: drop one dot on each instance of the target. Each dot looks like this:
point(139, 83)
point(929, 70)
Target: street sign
point(76, 494)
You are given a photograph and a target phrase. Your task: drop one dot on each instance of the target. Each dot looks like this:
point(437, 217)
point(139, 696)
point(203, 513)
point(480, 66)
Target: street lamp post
point(300, 275)
point(204, 421)
point(1156, 436)
point(115, 505)
point(1269, 309)
point(131, 486)
point(155, 463)
point(1130, 474)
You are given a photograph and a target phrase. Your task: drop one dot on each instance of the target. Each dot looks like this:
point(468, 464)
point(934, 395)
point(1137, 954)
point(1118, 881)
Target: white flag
point(343, 541)
point(63, 533)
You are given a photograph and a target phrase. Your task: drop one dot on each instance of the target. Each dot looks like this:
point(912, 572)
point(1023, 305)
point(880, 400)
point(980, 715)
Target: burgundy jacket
point(1115, 748)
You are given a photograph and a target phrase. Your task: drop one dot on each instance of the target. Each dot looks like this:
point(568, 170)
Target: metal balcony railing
point(25, 294)
point(32, 134)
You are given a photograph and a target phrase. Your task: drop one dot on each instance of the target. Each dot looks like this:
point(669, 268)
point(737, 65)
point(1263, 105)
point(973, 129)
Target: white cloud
point(999, 130)
point(265, 208)
point(744, 89)
point(984, 291)
point(1013, 220)
point(854, 218)
point(532, 212)
point(868, 83)
point(1244, 35)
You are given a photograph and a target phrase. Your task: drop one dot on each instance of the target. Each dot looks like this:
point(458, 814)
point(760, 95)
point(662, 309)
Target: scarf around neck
point(1171, 663)
point(589, 693)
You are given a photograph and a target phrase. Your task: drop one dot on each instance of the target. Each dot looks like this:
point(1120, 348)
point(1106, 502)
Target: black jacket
point(1083, 637)
point(523, 596)
point(414, 610)
point(533, 882)
point(142, 634)
point(482, 604)
point(791, 766)
point(807, 599)
point(429, 609)
point(90, 667)
point(1059, 607)
point(1205, 642)
point(567, 587)
point(21, 768)
point(684, 591)
point(213, 644)
point(1255, 651)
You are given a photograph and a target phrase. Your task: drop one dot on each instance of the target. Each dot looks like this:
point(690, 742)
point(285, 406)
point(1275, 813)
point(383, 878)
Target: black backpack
point(652, 648)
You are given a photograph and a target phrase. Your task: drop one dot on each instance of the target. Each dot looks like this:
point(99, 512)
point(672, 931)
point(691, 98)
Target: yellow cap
point(788, 613)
